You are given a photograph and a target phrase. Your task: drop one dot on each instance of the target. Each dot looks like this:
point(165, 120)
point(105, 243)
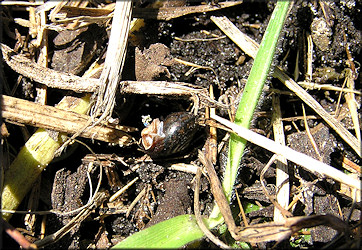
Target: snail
point(171, 136)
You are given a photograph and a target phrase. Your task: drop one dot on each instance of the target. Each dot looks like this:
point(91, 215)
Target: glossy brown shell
point(171, 136)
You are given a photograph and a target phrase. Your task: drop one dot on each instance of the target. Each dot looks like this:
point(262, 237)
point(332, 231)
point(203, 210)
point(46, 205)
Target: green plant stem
point(250, 99)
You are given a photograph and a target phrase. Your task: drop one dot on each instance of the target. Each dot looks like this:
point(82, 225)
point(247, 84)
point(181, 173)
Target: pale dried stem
point(42, 116)
point(122, 190)
point(282, 176)
point(187, 168)
point(218, 193)
point(303, 160)
point(134, 202)
point(42, 40)
point(199, 220)
point(163, 13)
point(310, 136)
point(19, 3)
point(351, 140)
point(309, 72)
point(266, 192)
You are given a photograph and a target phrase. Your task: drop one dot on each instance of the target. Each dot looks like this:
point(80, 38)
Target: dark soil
point(168, 193)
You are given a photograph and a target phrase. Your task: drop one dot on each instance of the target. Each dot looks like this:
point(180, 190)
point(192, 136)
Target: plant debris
point(142, 61)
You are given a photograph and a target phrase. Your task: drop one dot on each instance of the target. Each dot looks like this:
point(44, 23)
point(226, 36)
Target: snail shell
point(171, 136)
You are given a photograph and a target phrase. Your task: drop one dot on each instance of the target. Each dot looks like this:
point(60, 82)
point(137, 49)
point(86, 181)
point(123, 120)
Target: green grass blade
point(172, 233)
point(250, 99)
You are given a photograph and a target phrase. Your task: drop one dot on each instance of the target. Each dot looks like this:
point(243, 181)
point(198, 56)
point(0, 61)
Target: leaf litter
point(209, 59)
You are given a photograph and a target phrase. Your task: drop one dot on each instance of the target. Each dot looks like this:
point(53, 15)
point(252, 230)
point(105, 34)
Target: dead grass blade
point(72, 11)
point(19, 3)
point(176, 89)
point(352, 141)
point(38, 21)
point(68, 14)
point(218, 194)
point(313, 85)
point(310, 136)
point(172, 89)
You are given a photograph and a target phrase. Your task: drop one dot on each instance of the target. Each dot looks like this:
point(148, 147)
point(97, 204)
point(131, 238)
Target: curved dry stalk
point(46, 76)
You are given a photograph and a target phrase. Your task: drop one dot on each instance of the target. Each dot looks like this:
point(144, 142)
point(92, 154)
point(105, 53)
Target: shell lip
point(152, 135)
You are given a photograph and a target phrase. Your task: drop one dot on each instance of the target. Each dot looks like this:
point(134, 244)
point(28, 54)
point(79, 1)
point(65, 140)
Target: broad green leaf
point(172, 233)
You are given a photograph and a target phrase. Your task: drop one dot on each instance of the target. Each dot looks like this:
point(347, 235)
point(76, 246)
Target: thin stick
point(187, 168)
point(219, 195)
point(310, 136)
point(42, 40)
point(134, 202)
point(212, 145)
point(199, 220)
point(301, 159)
point(174, 12)
point(19, 3)
point(282, 177)
point(271, 198)
point(246, 224)
point(312, 103)
point(352, 104)
point(309, 72)
point(313, 85)
point(122, 190)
